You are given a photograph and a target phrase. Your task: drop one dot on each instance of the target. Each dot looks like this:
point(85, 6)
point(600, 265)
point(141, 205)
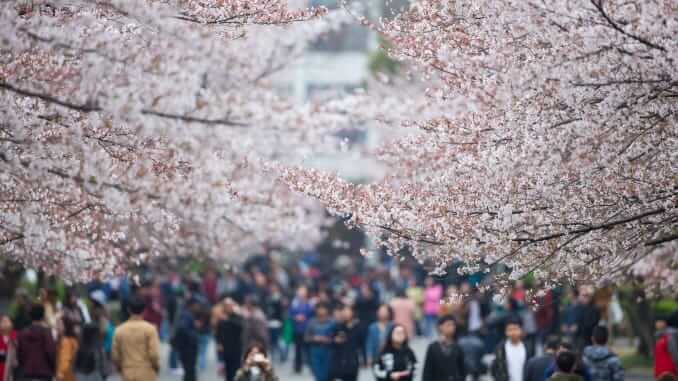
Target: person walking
point(433, 293)
point(7, 349)
point(603, 364)
point(187, 339)
point(586, 317)
point(580, 369)
point(536, 367)
point(257, 366)
point(444, 358)
point(666, 347)
point(36, 349)
point(511, 354)
point(66, 350)
point(90, 359)
point(319, 340)
point(229, 338)
point(377, 333)
point(396, 361)
point(403, 312)
point(565, 362)
point(136, 345)
point(345, 346)
point(22, 310)
point(300, 311)
point(274, 314)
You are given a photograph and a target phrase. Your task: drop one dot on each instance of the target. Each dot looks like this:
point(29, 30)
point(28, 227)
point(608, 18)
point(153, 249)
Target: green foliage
point(665, 306)
point(635, 360)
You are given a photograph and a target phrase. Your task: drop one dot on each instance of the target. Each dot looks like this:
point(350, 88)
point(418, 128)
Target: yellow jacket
point(68, 347)
point(136, 350)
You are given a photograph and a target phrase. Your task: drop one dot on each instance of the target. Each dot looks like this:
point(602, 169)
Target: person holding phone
point(257, 366)
point(397, 361)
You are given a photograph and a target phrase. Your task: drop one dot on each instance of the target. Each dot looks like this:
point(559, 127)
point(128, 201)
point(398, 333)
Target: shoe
point(178, 371)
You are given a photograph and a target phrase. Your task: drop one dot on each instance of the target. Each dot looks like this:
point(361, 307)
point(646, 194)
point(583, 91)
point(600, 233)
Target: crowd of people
point(333, 321)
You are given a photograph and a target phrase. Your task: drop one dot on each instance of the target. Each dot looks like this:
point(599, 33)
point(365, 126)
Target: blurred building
point(338, 63)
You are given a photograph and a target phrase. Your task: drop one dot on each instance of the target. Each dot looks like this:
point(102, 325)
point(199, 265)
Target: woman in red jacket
point(666, 349)
point(7, 347)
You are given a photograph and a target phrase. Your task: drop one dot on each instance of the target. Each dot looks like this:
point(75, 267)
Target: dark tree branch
point(93, 107)
point(615, 26)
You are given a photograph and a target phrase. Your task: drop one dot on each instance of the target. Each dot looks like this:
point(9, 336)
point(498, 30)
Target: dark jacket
point(500, 367)
point(444, 363)
point(229, 335)
point(535, 369)
point(395, 361)
point(580, 369)
point(36, 352)
point(586, 318)
point(345, 360)
point(603, 364)
point(187, 334)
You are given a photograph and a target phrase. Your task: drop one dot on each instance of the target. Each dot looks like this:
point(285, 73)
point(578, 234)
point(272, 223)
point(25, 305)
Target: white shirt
point(515, 359)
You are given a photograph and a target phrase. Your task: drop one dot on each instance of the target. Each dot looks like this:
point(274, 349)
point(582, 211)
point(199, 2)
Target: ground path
point(285, 373)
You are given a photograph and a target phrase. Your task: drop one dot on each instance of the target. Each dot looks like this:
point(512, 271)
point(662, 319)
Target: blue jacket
point(300, 308)
point(375, 339)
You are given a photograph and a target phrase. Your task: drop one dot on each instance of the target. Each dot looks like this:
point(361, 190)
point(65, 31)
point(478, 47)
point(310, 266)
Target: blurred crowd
point(334, 320)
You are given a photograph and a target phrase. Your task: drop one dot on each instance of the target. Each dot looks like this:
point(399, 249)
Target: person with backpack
point(603, 364)
point(666, 347)
point(90, 360)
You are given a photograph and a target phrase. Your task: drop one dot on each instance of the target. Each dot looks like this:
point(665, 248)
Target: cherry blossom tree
point(555, 150)
point(131, 129)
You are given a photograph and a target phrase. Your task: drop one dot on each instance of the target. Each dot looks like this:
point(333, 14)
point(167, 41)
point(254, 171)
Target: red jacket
point(664, 362)
point(36, 352)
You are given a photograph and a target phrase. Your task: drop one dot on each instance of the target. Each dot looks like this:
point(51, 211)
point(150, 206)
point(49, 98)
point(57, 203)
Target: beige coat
point(136, 350)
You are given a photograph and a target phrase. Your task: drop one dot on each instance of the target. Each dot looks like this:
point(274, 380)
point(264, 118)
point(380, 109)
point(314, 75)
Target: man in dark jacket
point(187, 338)
point(602, 362)
point(536, 367)
point(345, 362)
point(586, 316)
point(565, 362)
point(511, 354)
point(36, 349)
point(444, 358)
point(229, 337)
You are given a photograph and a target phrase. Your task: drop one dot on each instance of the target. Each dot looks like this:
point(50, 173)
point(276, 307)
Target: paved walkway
point(284, 371)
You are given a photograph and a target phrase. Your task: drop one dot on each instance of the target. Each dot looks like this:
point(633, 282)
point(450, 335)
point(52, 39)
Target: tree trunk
point(639, 312)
